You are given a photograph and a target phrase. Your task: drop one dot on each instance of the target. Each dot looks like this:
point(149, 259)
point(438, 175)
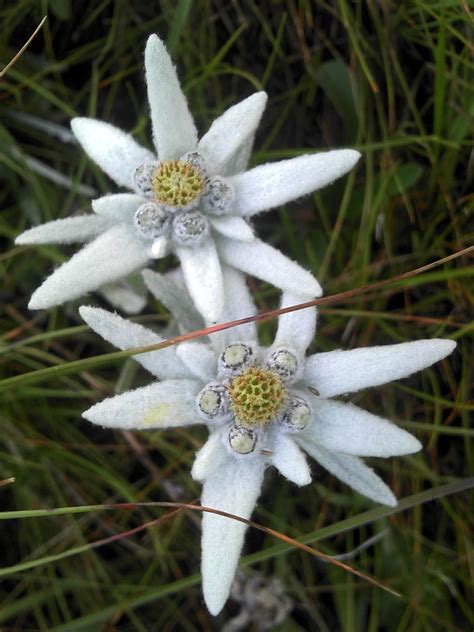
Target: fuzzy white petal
point(239, 161)
point(111, 256)
point(272, 184)
point(290, 460)
point(70, 230)
point(337, 372)
point(126, 335)
point(296, 329)
point(209, 457)
point(238, 304)
point(346, 428)
point(203, 276)
point(200, 359)
point(233, 487)
point(175, 298)
point(233, 227)
point(174, 132)
point(230, 131)
point(167, 404)
point(124, 297)
point(352, 471)
point(269, 264)
point(160, 247)
point(120, 207)
point(118, 154)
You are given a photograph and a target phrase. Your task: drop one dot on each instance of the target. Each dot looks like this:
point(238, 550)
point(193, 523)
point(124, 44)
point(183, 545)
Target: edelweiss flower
point(191, 198)
point(263, 406)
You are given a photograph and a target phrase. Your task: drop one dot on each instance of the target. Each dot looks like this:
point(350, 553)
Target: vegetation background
point(394, 80)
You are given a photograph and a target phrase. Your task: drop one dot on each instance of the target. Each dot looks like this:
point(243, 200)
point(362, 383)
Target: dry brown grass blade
point(23, 48)
point(325, 300)
point(77, 365)
point(407, 318)
point(276, 534)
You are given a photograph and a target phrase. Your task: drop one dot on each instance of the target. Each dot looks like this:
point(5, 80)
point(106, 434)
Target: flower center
point(256, 396)
point(177, 183)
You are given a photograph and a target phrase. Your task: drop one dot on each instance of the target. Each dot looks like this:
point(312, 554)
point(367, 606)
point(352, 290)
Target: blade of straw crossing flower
point(48, 559)
point(23, 48)
point(288, 543)
point(102, 615)
point(88, 363)
point(177, 507)
point(365, 518)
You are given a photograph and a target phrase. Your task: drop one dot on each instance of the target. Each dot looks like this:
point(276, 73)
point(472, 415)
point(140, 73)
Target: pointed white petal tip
point(290, 461)
point(165, 404)
point(37, 302)
point(80, 126)
point(389, 501)
point(174, 132)
point(154, 47)
point(68, 230)
point(227, 143)
point(269, 264)
point(350, 470)
point(209, 457)
point(23, 240)
point(119, 206)
point(76, 123)
point(413, 445)
point(337, 372)
point(43, 300)
point(258, 100)
point(234, 228)
point(350, 157)
point(214, 605)
point(232, 487)
point(89, 415)
point(153, 40)
point(347, 429)
point(444, 347)
point(86, 311)
point(272, 184)
point(111, 256)
point(117, 153)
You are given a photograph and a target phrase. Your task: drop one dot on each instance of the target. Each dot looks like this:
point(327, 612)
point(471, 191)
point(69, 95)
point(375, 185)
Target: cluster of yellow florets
point(256, 396)
point(177, 183)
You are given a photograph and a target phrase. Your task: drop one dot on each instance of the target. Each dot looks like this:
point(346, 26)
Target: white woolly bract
point(337, 372)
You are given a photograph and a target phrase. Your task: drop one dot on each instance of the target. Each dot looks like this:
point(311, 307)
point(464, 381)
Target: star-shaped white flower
point(191, 198)
point(263, 406)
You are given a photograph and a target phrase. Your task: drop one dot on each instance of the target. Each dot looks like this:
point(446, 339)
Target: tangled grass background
point(391, 79)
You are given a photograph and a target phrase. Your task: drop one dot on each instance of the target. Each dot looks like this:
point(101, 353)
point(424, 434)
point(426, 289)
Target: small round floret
point(297, 415)
point(218, 195)
point(236, 356)
point(195, 159)
point(151, 220)
point(190, 228)
point(242, 440)
point(143, 176)
point(213, 401)
point(283, 362)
